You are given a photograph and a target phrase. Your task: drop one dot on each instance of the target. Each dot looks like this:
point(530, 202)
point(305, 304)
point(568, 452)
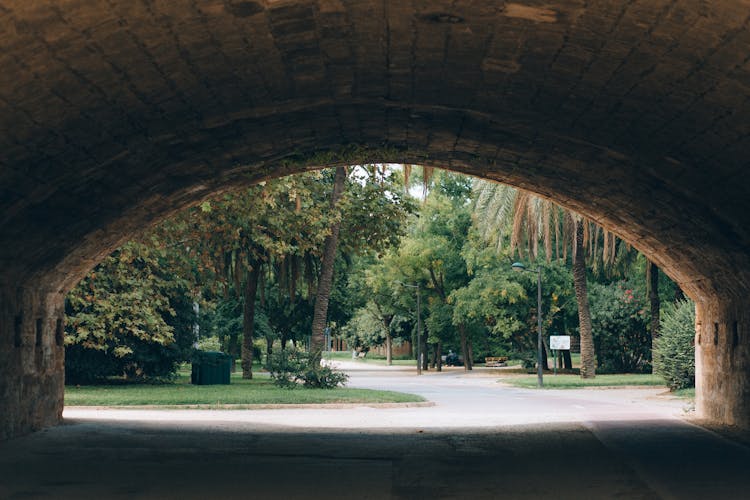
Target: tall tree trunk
point(425, 358)
point(653, 295)
point(388, 349)
point(471, 353)
point(588, 361)
point(439, 355)
point(325, 280)
point(567, 360)
point(388, 339)
point(248, 320)
point(464, 346)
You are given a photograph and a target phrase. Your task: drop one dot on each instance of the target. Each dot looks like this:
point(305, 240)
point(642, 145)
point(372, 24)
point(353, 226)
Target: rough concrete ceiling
point(116, 113)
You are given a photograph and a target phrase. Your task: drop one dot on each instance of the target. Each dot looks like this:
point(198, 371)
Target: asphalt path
point(480, 439)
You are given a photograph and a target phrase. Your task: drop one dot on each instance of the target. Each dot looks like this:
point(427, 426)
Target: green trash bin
point(211, 368)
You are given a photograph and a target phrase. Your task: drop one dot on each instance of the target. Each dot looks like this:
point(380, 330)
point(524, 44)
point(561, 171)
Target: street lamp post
point(517, 266)
point(419, 325)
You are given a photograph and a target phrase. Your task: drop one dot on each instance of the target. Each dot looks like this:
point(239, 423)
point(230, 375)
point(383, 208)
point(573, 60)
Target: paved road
point(480, 440)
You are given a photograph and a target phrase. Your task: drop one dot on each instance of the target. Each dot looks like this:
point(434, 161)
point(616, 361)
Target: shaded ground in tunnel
point(647, 459)
point(480, 440)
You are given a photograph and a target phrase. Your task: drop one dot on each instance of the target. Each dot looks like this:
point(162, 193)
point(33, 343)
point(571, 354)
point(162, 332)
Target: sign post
point(558, 343)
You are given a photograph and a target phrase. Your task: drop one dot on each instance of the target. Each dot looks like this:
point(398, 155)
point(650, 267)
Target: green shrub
point(129, 317)
point(289, 368)
point(212, 343)
point(674, 351)
point(323, 377)
point(620, 324)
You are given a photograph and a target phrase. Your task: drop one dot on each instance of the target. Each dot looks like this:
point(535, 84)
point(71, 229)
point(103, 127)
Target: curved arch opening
point(435, 352)
point(635, 115)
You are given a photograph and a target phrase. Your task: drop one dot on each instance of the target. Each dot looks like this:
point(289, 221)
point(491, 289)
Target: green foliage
point(431, 256)
point(222, 324)
point(503, 302)
point(323, 377)
point(129, 316)
point(290, 368)
point(208, 344)
point(286, 367)
point(674, 351)
point(280, 226)
point(224, 321)
point(620, 323)
point(499, 305)
point(373, 211)
point(133, 315)
point(381, 305)
point(364, 329)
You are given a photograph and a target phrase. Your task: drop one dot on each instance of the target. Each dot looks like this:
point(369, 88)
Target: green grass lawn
point(685, 393)
point(260, 390)
point(575, 382)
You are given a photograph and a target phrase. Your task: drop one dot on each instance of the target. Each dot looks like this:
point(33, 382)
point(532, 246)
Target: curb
point(261, 406)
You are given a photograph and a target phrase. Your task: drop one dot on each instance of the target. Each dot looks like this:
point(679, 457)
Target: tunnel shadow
point(596, 459)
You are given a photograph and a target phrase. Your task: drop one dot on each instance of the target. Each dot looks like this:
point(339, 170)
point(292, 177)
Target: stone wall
point(31, 361)
point(722, 350)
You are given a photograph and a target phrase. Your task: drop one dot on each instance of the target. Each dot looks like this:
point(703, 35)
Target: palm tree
point(652, 274)
point(531, 221)
point(588, 364)
point(325, 278)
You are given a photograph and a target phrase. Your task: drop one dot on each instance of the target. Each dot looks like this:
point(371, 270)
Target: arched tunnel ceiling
point(115, 113)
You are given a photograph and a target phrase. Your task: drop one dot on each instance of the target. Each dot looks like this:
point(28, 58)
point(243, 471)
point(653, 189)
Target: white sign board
point(559, 342)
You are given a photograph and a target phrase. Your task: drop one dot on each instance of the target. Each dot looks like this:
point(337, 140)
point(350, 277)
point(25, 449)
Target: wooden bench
point(495, 361)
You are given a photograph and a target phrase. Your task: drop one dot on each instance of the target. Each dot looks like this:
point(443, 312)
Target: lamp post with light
point(519, 267)
point(419, 325)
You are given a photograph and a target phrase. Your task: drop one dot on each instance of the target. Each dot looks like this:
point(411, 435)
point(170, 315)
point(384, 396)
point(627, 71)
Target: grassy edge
point(260, 391)
point(561, 382)
point(260, 406)
point(688, 393)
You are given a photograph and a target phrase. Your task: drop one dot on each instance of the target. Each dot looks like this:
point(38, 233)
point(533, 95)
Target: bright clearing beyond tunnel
point(116, 114)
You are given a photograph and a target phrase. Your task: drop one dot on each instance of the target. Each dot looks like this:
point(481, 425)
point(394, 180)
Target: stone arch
point(117, 113)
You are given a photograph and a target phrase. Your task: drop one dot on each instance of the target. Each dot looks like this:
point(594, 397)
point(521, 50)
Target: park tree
point(283, 236)
point(325, 277)
point(588, 359)
point(280, 223)
point(131, 315)
point(502, 303)
point(470, 292)
point(430, 256)
point(534, 228)
point(372, 288)
point(372, 216)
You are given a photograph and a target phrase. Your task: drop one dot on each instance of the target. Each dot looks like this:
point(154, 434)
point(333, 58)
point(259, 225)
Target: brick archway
point(115, 114)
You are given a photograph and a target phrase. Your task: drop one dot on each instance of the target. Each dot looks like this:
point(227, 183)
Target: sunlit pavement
point(481, 439)
point(460, 400)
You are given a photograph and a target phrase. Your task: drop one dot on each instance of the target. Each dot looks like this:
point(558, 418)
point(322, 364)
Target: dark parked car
point(452, 359)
